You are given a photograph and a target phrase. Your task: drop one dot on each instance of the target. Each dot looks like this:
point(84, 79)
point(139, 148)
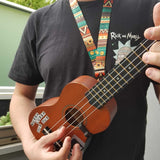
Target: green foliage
point(5, 120)
point(34, 4)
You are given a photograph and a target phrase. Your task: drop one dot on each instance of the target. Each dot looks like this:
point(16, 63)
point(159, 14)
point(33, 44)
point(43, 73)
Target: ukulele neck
point(120, 76)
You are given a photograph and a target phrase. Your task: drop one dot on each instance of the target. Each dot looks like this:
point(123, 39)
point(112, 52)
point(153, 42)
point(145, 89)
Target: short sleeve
point(25, 68)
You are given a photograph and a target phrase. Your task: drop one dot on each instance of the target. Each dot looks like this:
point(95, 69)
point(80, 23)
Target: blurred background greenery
point(34, 4)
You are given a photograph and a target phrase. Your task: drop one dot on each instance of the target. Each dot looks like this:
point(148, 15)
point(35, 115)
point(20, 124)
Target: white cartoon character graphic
point(122, 51)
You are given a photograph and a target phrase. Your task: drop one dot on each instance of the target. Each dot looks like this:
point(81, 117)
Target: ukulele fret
point(112, 86)
point(93, 100)
point(115, 81)
point(128, 73)
point(97, 97)
point(136, 54)
point(103, 86)
point(118, 76)
point(101, 92)
point(132, 64)
point(144, 47)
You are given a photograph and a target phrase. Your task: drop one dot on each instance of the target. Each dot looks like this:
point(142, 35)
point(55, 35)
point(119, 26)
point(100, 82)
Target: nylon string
point(116, 67)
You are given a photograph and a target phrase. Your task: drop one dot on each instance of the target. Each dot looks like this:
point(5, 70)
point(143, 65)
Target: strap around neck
point(96, 54)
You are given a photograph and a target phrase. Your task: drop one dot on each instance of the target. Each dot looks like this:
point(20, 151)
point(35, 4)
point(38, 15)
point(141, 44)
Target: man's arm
point(23, 101)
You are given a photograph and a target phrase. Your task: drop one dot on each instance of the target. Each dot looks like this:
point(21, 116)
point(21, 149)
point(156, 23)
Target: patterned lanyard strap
point(97, 55)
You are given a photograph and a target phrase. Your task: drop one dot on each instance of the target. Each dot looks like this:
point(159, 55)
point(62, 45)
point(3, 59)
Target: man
point(53, 51)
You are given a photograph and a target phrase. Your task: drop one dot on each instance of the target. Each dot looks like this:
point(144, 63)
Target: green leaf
point(34, 4)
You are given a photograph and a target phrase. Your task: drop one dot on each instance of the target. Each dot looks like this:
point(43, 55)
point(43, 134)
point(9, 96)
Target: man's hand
point(42, 149)
point(153, 56)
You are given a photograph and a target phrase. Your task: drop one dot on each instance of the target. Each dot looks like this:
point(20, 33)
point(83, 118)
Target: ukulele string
point(96, 108)
point(92, 111)
point(74, 107)
point(87, 101)
point(75, 120)
point(98, 99)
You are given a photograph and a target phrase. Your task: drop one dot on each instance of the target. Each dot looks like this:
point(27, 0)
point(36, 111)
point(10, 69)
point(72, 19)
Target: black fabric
point(52, 51)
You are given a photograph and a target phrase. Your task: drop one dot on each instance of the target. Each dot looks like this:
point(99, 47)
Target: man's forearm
point(20, 108)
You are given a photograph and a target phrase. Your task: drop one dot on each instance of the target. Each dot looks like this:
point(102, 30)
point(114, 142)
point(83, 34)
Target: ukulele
point(87, 106)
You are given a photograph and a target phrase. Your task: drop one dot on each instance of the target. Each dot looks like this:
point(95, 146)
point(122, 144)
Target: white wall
point(153, 127)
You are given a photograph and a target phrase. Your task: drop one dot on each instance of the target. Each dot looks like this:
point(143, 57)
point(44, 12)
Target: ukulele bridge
point(84, 130)
point(58, 144)
point(76, 139)
point(46, 130)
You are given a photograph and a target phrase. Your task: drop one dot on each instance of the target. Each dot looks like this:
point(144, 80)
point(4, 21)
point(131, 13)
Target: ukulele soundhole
point(74, 116)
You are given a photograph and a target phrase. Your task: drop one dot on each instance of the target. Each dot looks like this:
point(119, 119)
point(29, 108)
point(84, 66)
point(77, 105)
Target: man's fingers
point(153, 74)
point(65, 150)
point(63, 153)
point(52, 137)
point(151, 58)
point(76, 153)
point(154, 32)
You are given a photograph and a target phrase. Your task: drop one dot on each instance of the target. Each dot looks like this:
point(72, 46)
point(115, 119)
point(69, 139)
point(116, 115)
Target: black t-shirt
point(52, 50)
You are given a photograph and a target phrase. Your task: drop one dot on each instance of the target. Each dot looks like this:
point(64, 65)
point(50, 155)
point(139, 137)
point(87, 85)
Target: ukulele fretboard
point(119, 77)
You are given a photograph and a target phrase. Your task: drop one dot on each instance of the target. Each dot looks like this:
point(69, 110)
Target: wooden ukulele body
point(72, 110)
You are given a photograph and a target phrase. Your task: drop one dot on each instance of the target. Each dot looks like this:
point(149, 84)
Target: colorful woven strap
point(97, 55)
